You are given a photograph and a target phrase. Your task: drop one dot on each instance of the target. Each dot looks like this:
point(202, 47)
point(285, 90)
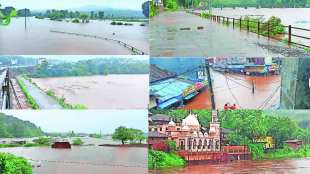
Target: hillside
point(11, 127)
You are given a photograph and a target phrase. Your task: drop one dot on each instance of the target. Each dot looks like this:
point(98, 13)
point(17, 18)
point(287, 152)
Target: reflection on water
point(296, 166)
point(84, 159)
point(100, 92)
point(38, 39)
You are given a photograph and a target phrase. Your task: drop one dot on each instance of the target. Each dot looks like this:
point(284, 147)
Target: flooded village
point(235, 82)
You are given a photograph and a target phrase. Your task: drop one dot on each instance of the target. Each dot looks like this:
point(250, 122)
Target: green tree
point(123, 134)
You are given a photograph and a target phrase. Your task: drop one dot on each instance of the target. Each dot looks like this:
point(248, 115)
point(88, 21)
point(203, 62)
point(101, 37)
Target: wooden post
point(233, 22)
point(240, 23)
point(248, 25)
point(289, 34)
point(227, 20)
point(258, 27)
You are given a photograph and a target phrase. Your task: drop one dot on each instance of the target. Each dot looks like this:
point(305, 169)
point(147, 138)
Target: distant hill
point(112, 11)
point(302, 117)
point(12, 127)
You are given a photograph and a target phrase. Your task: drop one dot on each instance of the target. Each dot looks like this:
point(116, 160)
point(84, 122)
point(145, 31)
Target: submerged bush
point(10, 164)
point(162, 160)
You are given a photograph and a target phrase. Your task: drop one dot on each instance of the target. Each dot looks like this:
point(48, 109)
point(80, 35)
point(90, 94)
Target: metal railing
point(261, 28)
point(133, 49)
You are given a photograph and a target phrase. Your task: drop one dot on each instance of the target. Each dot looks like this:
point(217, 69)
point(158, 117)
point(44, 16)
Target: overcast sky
point(85, 57)
point(83, 121)
point(69, 4)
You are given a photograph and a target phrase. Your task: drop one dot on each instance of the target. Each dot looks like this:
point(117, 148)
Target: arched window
point(217, 145)
point(200, 144)
point(195, 144)
point(205, 144)
point(182, 145)
point(210, 145)
point(189, 144)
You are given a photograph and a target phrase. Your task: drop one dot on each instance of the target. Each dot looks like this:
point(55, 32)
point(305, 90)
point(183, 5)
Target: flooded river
point(37, 38)
point(237, 89)
point(100, 92)
point(84, 159)
point(294, 166)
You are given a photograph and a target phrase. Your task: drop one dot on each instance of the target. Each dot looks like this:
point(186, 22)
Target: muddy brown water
point(237, 89)
point(101, 92)
point(294, 166)
point(81, 160)
point(38, 39)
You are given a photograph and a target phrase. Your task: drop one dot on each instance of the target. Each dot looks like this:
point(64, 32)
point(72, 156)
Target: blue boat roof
point(170, 88)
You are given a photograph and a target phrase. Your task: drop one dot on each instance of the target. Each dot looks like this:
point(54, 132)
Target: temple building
point(189, 135)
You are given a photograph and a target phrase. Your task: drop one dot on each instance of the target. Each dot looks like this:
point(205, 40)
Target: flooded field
point(294, 166)
point(37, 38)
point(176, 34)
point(100, 92)
point(237, 89)
point(84, 159)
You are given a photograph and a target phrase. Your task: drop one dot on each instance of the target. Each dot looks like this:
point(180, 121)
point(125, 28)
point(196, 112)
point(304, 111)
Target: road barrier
point(134, 50)
point(248, 24)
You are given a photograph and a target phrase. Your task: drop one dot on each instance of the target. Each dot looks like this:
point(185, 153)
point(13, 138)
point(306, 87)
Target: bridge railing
point(265, 29)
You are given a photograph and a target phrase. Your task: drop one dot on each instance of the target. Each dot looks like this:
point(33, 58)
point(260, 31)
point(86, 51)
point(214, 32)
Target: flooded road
point(237, 89)
point(100, 92)
point(37, 39)
point(44, 101)
point(84, 159)
point(169, 39)
point(297, 17)
point(294, 166)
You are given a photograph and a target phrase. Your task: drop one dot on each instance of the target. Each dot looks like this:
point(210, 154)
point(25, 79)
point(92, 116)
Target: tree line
point(91, 67)
point(174, 4)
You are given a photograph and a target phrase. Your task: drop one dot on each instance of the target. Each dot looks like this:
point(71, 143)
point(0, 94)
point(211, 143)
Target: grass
point(11, 164)
point(22, 145)
point(63, 103)
point(29, 98)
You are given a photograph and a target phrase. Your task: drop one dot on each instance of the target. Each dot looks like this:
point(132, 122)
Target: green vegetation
point(163, 160)
point(124, 135)
point(287, 152)
point(10, 164)
point(78, 142)
point(76, 20)
point(5, 19)
point(153, 10)
point(248, 125)
point(95, 135)
point(307, 49)
point(62, 101)
point(11, 127)
point(89, 67)
point(29, 98)
point(120, 23)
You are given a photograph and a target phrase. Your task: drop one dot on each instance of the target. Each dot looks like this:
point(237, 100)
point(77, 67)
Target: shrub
point(10, 164)
point(78, 142)
point(162, 160)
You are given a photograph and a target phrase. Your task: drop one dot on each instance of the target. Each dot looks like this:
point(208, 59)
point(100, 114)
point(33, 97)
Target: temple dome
point(171, 123)
point(190, 120)
point(195, 134)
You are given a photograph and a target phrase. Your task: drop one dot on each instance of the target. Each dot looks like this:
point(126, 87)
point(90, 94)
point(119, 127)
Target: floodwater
point(169, 37)
point(100, 92)
point(294, 166)
point(237, 89)
point(297, 17)
point(84, 159)
point(37, 39)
